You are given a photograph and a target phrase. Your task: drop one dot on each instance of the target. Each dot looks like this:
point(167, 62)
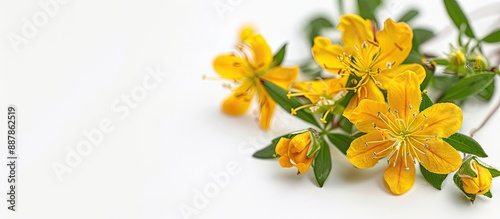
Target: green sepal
point(279, 95)
point(278, 57)
point(342, 142)
point(315, 145)
point(322, 163)
point(468, 86)
point(465, 144)
point(458, 17)
point(466, 169)
point(436, 180)
point(488, 194)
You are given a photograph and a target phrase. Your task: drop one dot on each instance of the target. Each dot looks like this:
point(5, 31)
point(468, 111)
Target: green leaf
point(278, 57)
point(436, 180)
point(367, 8)
point(279, 95)
point(345, 124)
point(443, 82)
point(426, 102)
point(315, 26)
point(458, 17)
point(493, 37)
point(269, 151)
point(342, 142)
point(467, 170)
point(487, 93)
point(465, 144)
point(413, 57)
point(409, 15)
point(322, 163)
point(468, 86)
point(458, 183)
point(488, 194)
point(422, 35)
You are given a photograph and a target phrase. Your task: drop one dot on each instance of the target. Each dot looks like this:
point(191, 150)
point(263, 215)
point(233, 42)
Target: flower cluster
point(369, 101)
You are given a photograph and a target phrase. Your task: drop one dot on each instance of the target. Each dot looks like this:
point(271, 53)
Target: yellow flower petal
point(303, 167)
point(395, 43)
point(246, 32)
point(282, 146)
point(404, 96)
point(282, 76)
point(367, 114)
point(355, 31)
point(285, 162)
point(262, 54)
point(326, 54)
point(360, 153)
point(439, 156)
point(367, 91)
point(441, 120)
point(267, 106)
point(239, 101)
point(397, 176)
point(386, 75)
point(230, 67)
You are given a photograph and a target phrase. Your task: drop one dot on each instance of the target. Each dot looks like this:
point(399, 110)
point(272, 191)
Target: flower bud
point(480, 64)
point(457, 62)
point(481, 183)
point(298, 150)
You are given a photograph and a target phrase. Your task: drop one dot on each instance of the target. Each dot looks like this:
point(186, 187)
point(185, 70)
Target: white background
point(157, 158)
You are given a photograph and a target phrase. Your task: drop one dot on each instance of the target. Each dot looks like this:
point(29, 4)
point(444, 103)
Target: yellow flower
point(298, 151)
point(323, 95)
point(477, 185)
point(399, 131)
point(247, 67)
point(374, 57)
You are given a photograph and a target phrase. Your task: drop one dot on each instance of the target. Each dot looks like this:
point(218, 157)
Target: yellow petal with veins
point(326, 54)
point(386, 75)
point(404, 96)
point(400, 173)
point(355, 31)
point(370, 115)
point(440, 119)
point(395, 43)
point(362, 149)
point(368, 91)
point(439, 156)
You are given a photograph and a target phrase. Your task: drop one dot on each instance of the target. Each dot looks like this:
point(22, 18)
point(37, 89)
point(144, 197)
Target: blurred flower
point(247, 67)
point(374, 57)
point(323, 95)
point(298, 150)
point(399, 131)
point(480, 63)
point(458, 61)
